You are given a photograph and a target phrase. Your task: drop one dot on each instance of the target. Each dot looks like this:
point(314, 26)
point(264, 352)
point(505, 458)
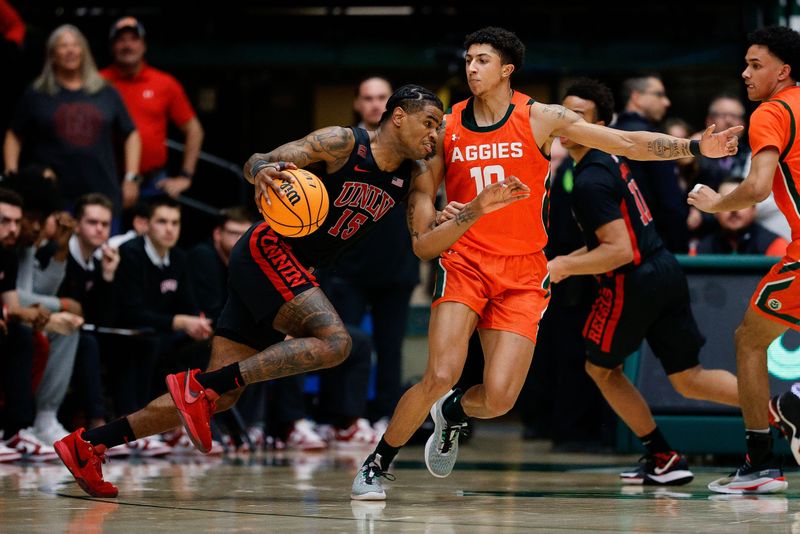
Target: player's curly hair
point(597, 92)
point(411, 98)
point(507, 43)
point(782, 42)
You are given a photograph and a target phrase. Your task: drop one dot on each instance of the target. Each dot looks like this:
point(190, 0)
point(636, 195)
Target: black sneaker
point(784, 414)
point(659, 469)
point(751, 479)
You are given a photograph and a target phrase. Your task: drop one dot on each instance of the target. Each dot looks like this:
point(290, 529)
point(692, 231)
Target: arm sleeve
point(123, 121)
point(47, 280)
point(596, 198)
point(29, 298)
point(180, 109)
point(769, 126)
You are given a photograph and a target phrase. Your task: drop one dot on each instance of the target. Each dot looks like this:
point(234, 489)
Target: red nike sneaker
point(84, 461)
point(195, 406)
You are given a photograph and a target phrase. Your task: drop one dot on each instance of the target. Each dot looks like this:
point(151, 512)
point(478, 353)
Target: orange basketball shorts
point(509, 293)
point(777, 296)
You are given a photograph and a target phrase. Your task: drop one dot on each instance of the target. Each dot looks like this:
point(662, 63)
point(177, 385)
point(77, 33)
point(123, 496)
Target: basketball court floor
point(501, 484)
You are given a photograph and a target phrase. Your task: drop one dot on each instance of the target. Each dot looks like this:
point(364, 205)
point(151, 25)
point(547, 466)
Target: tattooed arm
point(549, 121)
point(429, 239)
point(331, 145)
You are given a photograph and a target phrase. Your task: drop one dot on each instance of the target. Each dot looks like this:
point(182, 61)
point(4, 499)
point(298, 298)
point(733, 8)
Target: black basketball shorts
point(263, 275)
point(650, 302)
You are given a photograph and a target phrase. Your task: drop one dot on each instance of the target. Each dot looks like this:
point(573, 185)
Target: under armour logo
point(454, 137)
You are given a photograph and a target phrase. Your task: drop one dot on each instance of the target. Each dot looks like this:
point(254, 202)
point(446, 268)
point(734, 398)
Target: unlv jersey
point(604, 191)
point(476, 156)
point(360, 195)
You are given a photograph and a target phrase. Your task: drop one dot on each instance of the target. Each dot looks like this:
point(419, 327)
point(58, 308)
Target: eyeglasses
point(657, 94)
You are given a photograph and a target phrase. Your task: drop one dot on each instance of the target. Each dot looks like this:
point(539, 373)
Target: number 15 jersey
point(476, 156)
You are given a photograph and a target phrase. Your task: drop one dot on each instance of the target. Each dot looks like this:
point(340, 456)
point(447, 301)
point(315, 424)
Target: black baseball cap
point(124, 24)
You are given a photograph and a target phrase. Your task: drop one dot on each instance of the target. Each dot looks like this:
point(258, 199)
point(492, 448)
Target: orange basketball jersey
point(477, 156)
point(774, 124)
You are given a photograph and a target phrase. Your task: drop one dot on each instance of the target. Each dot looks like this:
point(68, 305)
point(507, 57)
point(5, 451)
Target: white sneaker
point(358, 435)
point(181, 444)
point(7, 454)
point(48, 429)
point(149, 447)
point(302, 437)
point(32, 449)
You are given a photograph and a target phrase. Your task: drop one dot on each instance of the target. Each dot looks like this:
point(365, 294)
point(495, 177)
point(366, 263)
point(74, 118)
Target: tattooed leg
point(320, 340)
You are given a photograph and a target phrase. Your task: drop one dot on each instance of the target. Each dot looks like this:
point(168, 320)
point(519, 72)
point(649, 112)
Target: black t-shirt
point(360, 195)
point(9, 263)
point(73, 133)
point(605, 191)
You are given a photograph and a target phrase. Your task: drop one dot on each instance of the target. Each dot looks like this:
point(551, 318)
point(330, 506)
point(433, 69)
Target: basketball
point(301, 210)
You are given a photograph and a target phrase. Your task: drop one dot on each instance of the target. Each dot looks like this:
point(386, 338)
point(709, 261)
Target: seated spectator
point(153, 292)
point(738, 233)
point(16, 337)
point(88, 280)
point(209, 261)
point(37, 281)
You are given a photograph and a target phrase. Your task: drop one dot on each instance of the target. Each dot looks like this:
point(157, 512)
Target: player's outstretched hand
point(704, 198)
point(267, 177)
point(501, 194)
point(719, 145)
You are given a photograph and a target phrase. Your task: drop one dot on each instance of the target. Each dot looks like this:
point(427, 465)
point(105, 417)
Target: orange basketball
point(303, 207)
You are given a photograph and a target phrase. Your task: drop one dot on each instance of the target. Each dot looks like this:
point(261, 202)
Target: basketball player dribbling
point(272, 291)
point(495, 277)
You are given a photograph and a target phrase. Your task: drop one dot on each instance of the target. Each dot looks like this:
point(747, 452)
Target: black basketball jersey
point(360, 196)
point(604, 191)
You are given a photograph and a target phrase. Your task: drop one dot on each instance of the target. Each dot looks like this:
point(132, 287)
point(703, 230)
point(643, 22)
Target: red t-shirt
point(152, 97)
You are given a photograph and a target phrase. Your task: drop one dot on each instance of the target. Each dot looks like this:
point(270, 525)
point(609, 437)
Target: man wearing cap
point(152, 97)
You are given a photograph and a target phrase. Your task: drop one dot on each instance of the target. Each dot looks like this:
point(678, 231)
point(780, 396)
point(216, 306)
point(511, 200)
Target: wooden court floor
point(501, 484)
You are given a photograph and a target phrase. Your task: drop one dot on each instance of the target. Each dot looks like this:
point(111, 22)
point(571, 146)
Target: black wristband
point(694, 148)
point(263, 164)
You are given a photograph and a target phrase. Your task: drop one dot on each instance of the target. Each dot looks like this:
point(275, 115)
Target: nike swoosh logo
point(359, 169)
point(81, 463)
point(662, 470)
point(190, 395)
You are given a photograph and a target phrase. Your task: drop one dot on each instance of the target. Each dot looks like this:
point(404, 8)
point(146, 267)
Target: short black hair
point(782, 42)
point(7, 196)
point(637, 84)
point(411, 98)
point(92, 199)
point(506, 42)
point(159, 201)
point(597, 92)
